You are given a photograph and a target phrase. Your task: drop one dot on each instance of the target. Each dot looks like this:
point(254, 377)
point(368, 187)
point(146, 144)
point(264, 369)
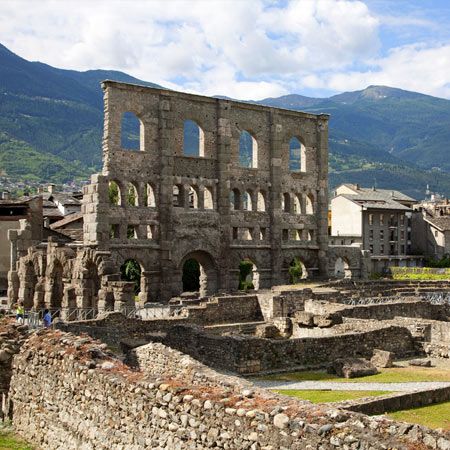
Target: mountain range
point(51, 126)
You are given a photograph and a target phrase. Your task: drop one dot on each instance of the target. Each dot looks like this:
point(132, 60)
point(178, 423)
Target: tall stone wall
point(265, 228)
point(96, 402)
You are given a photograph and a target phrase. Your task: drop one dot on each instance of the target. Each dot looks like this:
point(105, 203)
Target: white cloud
point(244, 49)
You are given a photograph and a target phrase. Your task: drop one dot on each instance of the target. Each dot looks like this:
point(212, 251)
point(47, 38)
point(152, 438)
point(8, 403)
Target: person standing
point(20, 312)
point(47, 319)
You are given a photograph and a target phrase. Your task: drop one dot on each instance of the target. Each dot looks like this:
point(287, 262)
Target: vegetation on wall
point(245, 275)
point(131, 271)
point(295, 271)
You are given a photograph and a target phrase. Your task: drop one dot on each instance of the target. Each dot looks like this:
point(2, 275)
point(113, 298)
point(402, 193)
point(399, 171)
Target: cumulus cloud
point(244, 49)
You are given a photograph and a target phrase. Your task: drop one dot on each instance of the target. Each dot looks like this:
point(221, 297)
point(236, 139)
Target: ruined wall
point(245, 354)
point(97, 402)
point(212, 234)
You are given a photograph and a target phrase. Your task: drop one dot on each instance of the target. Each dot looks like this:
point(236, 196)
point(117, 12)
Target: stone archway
point(56, 285)
point(198, 269)
point(30, 282)
point(248, 275)
point(342, 268)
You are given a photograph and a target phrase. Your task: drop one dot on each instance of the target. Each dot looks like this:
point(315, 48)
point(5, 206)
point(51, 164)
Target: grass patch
point(390, 375)
point(329, 396)
point(9, 441)
point(433, 416)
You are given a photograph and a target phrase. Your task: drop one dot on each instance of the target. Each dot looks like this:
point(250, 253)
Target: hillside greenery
point(51, 124)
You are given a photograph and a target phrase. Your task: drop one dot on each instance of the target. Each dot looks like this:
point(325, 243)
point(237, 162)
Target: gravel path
point(329, 385)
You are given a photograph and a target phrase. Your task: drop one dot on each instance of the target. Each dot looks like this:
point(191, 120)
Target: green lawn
point(9, 441)
point(390, 375)
point(434, 416)
point(329, 396)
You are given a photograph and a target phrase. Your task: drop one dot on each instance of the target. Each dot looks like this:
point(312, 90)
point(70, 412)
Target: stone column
point(275, 198)
point(222, 202)
point(322, 194)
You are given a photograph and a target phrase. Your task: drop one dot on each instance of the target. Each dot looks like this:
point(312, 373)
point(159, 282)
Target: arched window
point(193, 197)
point(297, 205)
point(309, 200)
point(247, 201)
point(178, 195)
point(248, 150)
point(247, 234)
point(132, 132)
point(286, 202)
point(208, 199)
point(132, 195)
point(132, 232)
point(150, 194)
point(261, 202)
point(297, 271)
point(248, 275)
point(131, 271)
point(114, 193)
point(235, 200)
point(297, 156)
point(193, 139)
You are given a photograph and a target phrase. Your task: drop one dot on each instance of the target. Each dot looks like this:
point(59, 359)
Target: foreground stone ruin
point(95, 401)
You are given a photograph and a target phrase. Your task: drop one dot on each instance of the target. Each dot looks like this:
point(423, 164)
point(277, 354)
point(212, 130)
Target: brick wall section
point(250, 355)
point(97, 402)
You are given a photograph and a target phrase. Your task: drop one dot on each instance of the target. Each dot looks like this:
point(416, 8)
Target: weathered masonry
point(212, 180)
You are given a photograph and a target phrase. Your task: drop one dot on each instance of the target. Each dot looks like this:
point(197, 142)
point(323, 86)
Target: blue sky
point(247, 49)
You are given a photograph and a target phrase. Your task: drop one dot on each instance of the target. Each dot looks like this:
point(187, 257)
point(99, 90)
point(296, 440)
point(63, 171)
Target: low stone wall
point(12, 336)
point(409, 307)
point(229, 309)
point(68, 393)
point(112, 328)
point(156, 359)
point(246, 354)
point(397, 402)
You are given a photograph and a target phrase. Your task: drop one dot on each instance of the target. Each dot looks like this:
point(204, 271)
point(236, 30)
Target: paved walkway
point(333, 386)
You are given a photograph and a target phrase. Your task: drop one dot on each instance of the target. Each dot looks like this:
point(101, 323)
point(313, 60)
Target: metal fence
point(34, 318)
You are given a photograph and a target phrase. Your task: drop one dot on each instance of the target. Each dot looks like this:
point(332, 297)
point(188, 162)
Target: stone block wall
point(96, 402)
point(244, 354)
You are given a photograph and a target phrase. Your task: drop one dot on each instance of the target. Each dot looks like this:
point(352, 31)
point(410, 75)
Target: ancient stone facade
point(255, 191)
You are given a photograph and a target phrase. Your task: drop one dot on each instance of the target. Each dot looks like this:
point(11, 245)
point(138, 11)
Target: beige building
point(379, 220)
point(431, 227)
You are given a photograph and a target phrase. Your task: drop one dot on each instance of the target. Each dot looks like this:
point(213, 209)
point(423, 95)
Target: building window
point(262, 234)
point(436, 233)
point(370, 219)
point(235, 233)
point(402, 248)
point(402, 219)
point(382, 249)
point(371, 248)
point(285, 235)
point(193, 139)
point(381, 219)
point(370, 234)
point(248, 150)
point(402, 234)
point(381, 234)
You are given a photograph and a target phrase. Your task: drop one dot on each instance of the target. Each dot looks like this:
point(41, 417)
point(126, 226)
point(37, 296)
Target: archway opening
point(235, 200)
point(247, 201)
point(132, 195)
point(30, 283)
point(295, 155)
point(199, 273)
point(208, 202)
point(248, 275)
point(57, 289)
point(297, 271)
point(297, 206)
point(131, 271)
point(261, 202)
point(309, 200)
point(132, 131)
point(193, 197)
point(114, 193)
point(92, 286)
point(191, 275)
point(342, 268)
point(193, 139)
point(248, 150)
point(150, 195)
